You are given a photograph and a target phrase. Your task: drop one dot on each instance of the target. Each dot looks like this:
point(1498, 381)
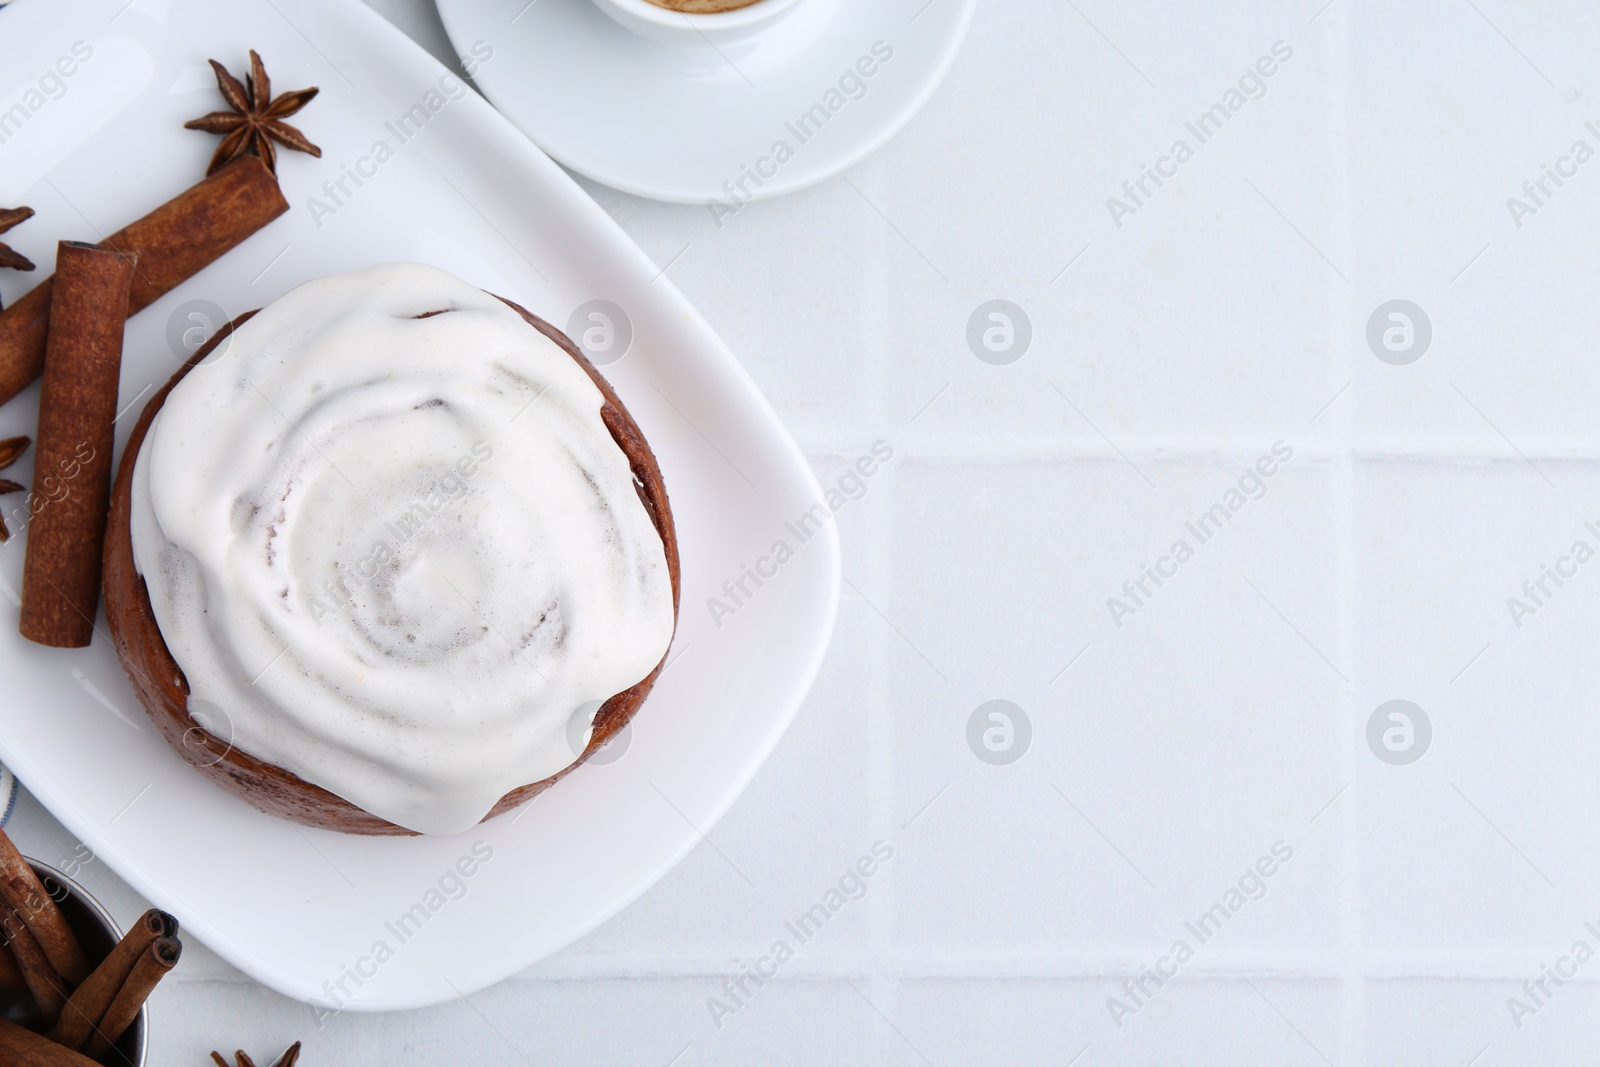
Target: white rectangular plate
point(316, 915)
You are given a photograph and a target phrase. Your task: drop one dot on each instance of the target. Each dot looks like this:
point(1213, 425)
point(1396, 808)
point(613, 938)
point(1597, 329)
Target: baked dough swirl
point(394, 548)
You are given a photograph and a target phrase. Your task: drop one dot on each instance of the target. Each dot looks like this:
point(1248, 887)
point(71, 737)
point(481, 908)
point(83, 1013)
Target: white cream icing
point(397, 555)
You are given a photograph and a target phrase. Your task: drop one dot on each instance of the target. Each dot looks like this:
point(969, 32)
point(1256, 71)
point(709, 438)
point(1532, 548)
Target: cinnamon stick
point(174, 243)
point(10, 973)
point(24, 1048)
point(151, 966)
point(28, 899)
point(88, 1003)
point(77, 409)
point(48, 988)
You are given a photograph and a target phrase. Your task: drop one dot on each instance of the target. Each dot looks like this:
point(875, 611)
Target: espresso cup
point(664, 24)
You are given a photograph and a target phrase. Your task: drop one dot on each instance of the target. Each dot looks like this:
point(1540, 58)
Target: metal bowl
point(97, 932)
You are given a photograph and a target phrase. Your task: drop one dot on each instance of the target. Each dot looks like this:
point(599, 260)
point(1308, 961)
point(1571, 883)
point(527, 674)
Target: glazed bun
point(220, 746)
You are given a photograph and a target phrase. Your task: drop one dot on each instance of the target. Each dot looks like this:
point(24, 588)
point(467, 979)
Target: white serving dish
point(295, 908)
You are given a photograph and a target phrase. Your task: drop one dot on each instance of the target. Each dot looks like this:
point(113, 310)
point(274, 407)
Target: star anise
point(256, 119)
point(8, 219)
point(290, 1055)
point(10, 449)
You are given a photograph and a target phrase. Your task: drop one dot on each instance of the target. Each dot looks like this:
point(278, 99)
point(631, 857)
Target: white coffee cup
point(661, 24)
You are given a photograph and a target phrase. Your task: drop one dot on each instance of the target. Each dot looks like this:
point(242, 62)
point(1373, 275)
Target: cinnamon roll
point(389, 555)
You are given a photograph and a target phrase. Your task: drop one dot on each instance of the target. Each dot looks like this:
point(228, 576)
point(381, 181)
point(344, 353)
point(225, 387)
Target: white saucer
point(687, 122)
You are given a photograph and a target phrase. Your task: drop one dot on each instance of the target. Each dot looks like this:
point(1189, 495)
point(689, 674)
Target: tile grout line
point(877, 329)
point(1352, 986)
point(1507, 968)
point(943, 448)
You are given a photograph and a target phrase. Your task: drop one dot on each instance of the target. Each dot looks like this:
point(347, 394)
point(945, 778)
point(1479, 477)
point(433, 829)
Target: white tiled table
point(1229, 712)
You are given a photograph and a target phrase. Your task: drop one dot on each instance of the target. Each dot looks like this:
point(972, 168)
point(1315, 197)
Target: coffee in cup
point(703, 7)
